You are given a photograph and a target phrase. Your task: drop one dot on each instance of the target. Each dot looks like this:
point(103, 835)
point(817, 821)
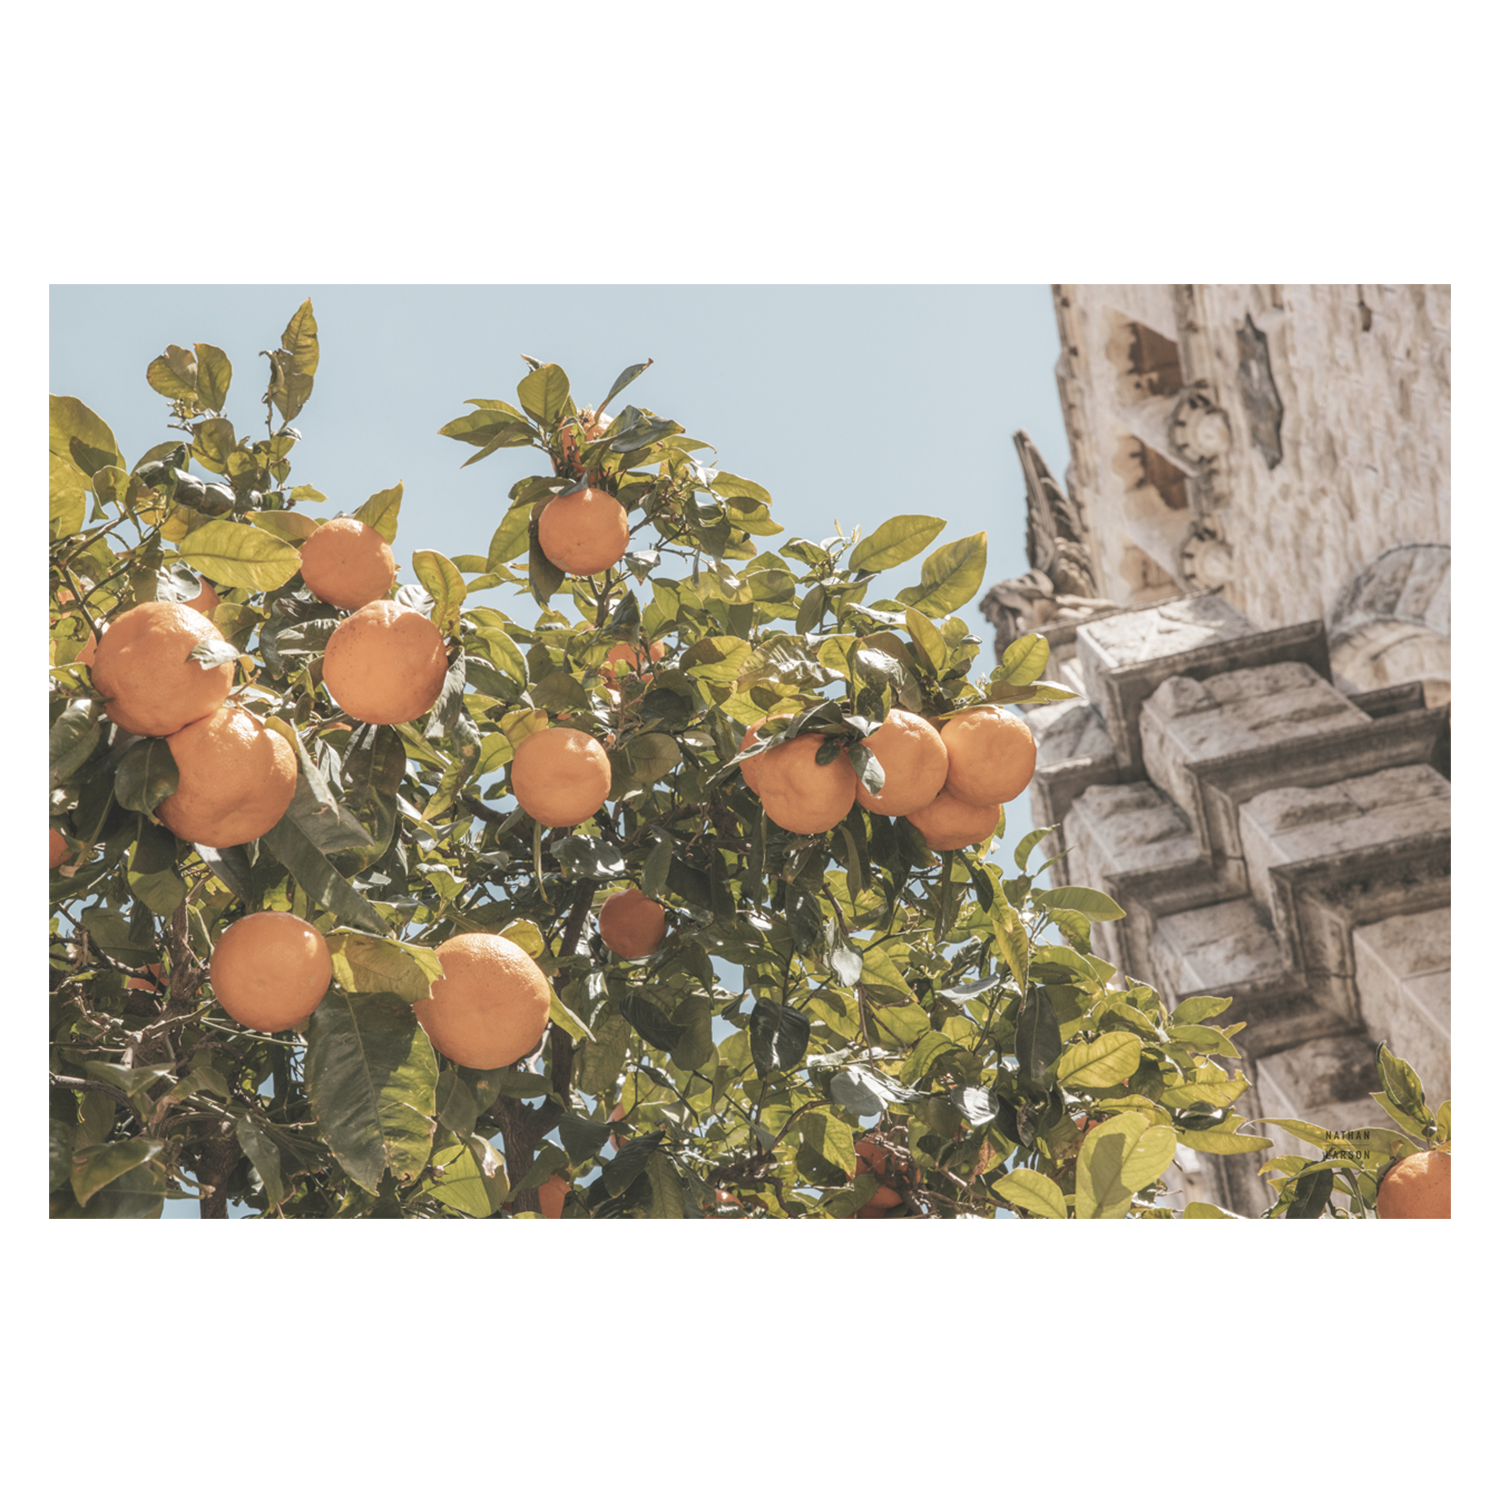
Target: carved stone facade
point(1257, 767)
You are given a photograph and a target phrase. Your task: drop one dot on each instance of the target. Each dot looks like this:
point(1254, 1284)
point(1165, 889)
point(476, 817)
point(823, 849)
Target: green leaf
point(295, 363)
point(71, 739)
point(716, 658)
point(1038, 1037)
point(1095, 905)
point(894, 542)
point(175, 376)
point(214, 371)
point(323, 884)
point(950, 577)
point(927, 641)
point(95, 1167)
point(666, 1186)
point(146, 774)
point(80, 438)
point(461, 1185)
point(371, 1074)
point(1199, 1008)
point(372, 965)
point(510, 538)
point(1401, 1084)
point(629, 1162)
point(264, 1156)
point(560, 1015)
point(778, 1036)
point(1224, 1140)
point(242, 557)
point(1118, 1158)
point(68, 502)
point(1033, 1192)
point(1219, 1095)
point(446, 585)
point(543, 393)
point(382, 511)
point(1208, 1211)
point(602, 1060)
point(1109, 1059)
point(832, 1138)
point(1023, 662)
point(136, 1194)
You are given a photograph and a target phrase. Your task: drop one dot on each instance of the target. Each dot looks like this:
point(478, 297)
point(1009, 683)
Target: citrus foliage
point(943, 1010)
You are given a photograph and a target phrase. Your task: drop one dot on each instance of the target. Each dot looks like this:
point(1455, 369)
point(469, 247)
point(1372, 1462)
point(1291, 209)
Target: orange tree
point(932, 1017)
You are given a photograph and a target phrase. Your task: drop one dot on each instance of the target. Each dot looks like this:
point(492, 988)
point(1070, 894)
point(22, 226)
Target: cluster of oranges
point(948, 781)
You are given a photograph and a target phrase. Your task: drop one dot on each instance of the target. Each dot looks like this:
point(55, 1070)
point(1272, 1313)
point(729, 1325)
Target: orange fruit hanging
point(144, 671)
point(873, 1157)
point(552, 1194)
point(1417, 1187)
point(750, 769)
point(270, 970)
point(622, 659)
point(490, 1007)
point(235, 778)
point(560, 776)
point(800, 795)
point(631, 924)
point(950, 823)
point(991, 755)
point(915, 761)
point(348, 564)
point(585, 532)
point(205, 601)
point(385, 664)
point(57, 850)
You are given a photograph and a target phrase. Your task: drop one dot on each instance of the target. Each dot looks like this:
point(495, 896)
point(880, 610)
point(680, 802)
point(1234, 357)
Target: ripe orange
point(385, 664)
point(57, 848)
point(870, 1210)
point(585, 532)
point(632, 924)
point(751, 769)
point(592, 427)
point(235, 778)
point(551, 1195)
point(873, 1157)
point(143, 670)
point(991, 755)
point(490, 1007)
point(799, 794)
point(270, 970)
point(348, 564)
point(205, 601)
point(949, 823)
point(560, 776)
point(718, 1206)
point(915, 761)
point(1418, 1187)
point(622, 659)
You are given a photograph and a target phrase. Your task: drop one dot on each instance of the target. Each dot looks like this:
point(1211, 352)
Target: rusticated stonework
point(1257, 767)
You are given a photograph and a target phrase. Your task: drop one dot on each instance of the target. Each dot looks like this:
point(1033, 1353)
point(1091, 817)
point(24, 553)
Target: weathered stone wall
point(1271, 441)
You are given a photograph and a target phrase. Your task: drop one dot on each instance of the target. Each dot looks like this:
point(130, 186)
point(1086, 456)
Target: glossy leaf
point(320, 880)
point(80, 438)
point(363, 964)
point(1095, 905)
point(446, 585)
point(1024, 660)
point(1101, 1063)
point(95, 1167)
point(1031, 1191)
point(894, 542)
point(1118, 1158)
point(951, 576)
point(383, 512)
point(243, 557)
point(372, 1077)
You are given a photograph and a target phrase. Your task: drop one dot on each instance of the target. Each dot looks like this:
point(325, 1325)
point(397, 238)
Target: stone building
point(1246, 581)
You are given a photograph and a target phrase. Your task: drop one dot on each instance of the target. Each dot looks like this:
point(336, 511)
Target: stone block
point(1292, 825)
point(1325, 1082)
point(1186, 721)
point(1116, 831)
point(1168, 629)
point(1224, 949)
point(1402, 972)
